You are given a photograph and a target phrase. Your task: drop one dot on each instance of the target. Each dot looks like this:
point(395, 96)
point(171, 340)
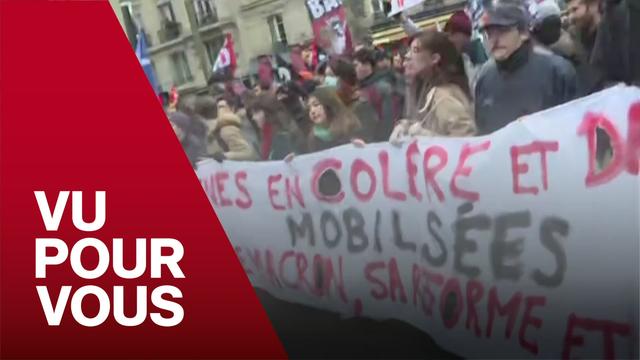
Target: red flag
point(173, 98)
point(173, 95)
point(226, 60)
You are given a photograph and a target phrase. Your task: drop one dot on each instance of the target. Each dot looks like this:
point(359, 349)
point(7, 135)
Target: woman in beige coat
point(438, 101)
point(225, 140)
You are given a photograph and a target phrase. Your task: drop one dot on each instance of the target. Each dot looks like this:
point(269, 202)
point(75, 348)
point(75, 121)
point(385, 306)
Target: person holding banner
point(438, 99)
point(459, 29)
point(333, 123)
point(520, 79)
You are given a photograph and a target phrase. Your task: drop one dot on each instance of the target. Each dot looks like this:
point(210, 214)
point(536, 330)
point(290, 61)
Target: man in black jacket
point(520, 79)
point(584, 17)
point(616, 51)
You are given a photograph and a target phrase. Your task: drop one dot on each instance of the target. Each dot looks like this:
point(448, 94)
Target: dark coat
point(317, 144)
point(616, 51)
point(368, 118)
point(589, 78)
point(397, 82)
point(193, 141)
point(285, 141)
point(531, 80)
point(365, 113)
point(379, 93)
point(194, 147)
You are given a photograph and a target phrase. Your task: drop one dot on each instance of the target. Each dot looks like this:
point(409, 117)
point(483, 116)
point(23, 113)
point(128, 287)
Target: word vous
point(52, 252)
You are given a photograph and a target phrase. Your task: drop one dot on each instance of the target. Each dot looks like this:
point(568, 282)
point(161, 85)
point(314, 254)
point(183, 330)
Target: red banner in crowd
point(330, 28)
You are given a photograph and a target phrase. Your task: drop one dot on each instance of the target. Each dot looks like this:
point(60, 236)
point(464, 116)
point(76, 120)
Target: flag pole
point(197, 40)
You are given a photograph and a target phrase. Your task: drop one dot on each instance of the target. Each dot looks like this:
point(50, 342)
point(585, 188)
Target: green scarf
point(322, 133)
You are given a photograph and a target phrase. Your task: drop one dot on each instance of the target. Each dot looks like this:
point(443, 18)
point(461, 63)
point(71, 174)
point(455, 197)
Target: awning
point(397, 32)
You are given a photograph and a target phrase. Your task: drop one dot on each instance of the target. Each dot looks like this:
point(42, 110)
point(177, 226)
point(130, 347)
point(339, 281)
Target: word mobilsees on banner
point(523, 243)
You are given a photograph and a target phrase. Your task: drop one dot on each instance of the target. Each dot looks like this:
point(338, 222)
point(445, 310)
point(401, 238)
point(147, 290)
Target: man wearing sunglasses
point(521, 78)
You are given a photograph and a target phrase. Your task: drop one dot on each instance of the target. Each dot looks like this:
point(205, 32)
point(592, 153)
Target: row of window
point(181, 70)
point(205, 11)
point(180, 65)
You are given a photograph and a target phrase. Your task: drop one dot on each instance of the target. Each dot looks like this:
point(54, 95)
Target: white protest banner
point(523, 243)
point(398, 6)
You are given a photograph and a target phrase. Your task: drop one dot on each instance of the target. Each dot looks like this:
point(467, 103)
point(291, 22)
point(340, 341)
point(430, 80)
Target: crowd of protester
point(443, 84)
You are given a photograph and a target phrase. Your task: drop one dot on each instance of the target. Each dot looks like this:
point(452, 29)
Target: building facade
point(257, 26)
point(184, 36)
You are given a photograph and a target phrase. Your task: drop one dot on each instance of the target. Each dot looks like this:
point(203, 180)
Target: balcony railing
point(171, 30)
point(207, 19)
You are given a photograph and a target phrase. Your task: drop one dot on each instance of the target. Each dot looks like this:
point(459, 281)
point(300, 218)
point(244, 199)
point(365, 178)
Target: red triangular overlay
point(78, 114)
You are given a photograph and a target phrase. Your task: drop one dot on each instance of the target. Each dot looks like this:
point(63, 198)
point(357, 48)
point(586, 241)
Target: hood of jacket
point(227, 119)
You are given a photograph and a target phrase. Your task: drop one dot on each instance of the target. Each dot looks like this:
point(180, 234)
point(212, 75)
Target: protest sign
point(329, 22)
point(283, 69)
point(398, 6)
point(522, 243)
